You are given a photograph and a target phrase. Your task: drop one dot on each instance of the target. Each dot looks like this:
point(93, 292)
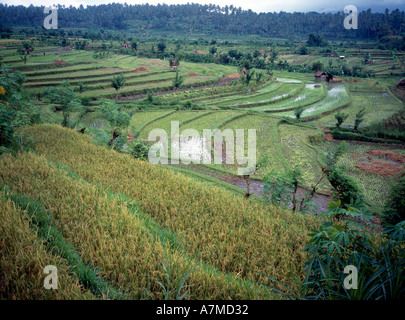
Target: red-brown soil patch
point(232, 76)
point(193, 74)
point(328, 137)
point(382, 168)
point(141, 69)
point(60, 61)
point(388, 154)
point(324, 129)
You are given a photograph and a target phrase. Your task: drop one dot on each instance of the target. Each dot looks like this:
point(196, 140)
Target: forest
point(208, 19)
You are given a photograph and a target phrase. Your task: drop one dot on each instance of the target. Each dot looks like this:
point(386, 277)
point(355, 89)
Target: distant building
point(401, 84)
point(174, 64)
point(323, 76)
point(244, 71)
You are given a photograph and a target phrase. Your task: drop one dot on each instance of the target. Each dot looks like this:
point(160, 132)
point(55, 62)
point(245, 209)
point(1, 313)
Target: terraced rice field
point(311, 94)
point(373, 185)
point(144, 208)
point(377, 105)
point(299, 153)
point(337, 97)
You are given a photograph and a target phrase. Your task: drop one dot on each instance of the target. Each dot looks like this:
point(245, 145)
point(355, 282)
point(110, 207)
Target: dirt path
point(256, 187)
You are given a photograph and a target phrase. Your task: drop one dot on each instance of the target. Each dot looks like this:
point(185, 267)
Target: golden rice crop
point(232, 234)
point(106, 233)
point(23, 259)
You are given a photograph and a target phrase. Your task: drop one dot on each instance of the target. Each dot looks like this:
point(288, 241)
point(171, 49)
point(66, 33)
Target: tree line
point(211, 19)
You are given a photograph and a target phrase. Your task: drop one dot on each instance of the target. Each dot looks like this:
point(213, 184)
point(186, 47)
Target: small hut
point(401, 84)
point(323, 76)
point(174, 64)
point(244, 71)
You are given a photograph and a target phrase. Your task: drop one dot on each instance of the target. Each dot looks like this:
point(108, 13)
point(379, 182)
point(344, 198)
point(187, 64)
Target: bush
point(139, 149)
point(395, 207)
point(345, 188)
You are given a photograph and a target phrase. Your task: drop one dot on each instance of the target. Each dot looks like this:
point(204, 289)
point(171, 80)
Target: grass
point(375, 188)
point(337, 97)
point(378, 106)
point(308, 96)
point(294, 145)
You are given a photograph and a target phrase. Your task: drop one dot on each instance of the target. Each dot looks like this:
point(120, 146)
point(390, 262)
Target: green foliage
point(16, 112)
point(161, 47)
point(6, 130)
point(248, 76)
point(139, 149)
point(278, 187)
point(335, 245)
point(117, 119)
point(173, 283)
point(298, 111)
point(316, 40)
point(317, 66)
point(359, 118)
point(395, 207)
point(340, 117)
point(345, 188)
point(303, 50)
point(81, 87)
point(66, 100)
point(178, 80)
point(150, 97)
point(118, 82)
point(333, 156)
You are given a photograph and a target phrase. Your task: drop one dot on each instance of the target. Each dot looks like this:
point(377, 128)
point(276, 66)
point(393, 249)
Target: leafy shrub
point(139, 149)
point(395, 207)
point(336, 245)
point(340, 117)
point(345, 188)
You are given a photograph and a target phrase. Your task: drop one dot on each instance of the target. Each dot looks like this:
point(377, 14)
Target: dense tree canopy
point(210, 19)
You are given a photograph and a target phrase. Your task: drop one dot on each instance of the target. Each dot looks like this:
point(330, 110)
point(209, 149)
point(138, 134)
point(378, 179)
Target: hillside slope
point(121, 215)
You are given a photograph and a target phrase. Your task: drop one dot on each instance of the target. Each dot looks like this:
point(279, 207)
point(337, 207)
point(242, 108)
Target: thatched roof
point(401, 83)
